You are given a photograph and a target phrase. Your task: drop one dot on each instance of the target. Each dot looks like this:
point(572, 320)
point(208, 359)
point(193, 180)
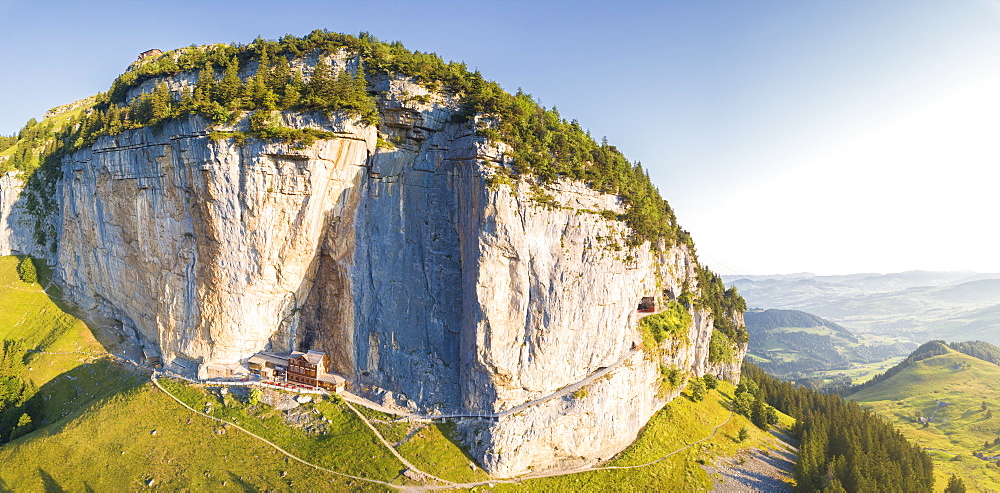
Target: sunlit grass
point(678, 424)
point(960, 428)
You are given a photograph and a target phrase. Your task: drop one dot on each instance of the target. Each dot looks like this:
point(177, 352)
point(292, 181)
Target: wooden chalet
point(332, 382)
point(268, 365)
point(148, 54)
point(647, 304)
point(221, 370)
point(305, 367)
point(151, 357)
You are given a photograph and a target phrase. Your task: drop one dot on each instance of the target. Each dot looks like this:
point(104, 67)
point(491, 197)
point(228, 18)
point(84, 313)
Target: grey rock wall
point(428, 287)
point(203, 248)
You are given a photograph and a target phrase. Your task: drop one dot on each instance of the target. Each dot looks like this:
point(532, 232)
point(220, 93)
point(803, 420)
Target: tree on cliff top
point(546, 147)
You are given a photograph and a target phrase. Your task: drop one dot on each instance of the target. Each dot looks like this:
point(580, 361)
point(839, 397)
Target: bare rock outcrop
point(428, 284)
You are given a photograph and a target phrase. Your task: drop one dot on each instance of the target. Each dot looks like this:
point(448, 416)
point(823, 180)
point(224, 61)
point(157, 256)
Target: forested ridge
point(841, 446)
point(259, 79)
point(977, 349)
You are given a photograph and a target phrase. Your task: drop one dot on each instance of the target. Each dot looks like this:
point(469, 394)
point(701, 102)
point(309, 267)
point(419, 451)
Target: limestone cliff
point(430, 285)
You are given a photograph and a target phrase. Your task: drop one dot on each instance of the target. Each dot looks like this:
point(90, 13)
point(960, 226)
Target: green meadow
point(961, 425)
point(99, 424)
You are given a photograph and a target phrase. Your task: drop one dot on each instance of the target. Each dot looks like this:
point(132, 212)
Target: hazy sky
point(823, 136)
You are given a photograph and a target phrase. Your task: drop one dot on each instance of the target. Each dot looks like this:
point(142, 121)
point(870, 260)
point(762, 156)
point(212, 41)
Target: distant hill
point(770, 320)
point(978, 349)
point(949, 403)
point(792, 344)
point(917, 305)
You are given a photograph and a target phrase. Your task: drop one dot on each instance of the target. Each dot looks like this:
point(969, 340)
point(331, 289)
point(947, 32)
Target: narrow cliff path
point(361, 401)
point(347, 396)
point(550, 474)
point(445, 484)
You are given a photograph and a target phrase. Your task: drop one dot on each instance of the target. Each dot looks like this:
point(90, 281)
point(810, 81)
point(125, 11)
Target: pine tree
point(955, 485)
point(292, 94)
point(228, 90)
point(743, 403)
point(205, 87)
point(160, 103)
point(26, 270)
point(696, 389)
point(11, 360)
point(759, 414)
point(24, 427)
point(256, 93)
point(743, 435)
point(279, 75)
point(835, 487)
point(113, 121)
point(321, 89)
point(711, 383)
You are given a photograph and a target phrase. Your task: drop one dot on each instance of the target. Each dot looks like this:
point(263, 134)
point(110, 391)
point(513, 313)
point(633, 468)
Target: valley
point(494, 299)
point(794, 345)
point(838, 332)
point(915, 306)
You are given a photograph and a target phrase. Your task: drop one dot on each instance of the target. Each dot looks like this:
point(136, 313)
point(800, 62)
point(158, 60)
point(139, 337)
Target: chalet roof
point(274, 359)
point(150, 352)
point(314, 356)
point(147, 54)
point(330, 377)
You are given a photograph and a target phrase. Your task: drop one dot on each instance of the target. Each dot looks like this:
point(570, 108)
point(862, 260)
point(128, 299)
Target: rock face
point(17, 224)
point(200, 247)
point(429, 287)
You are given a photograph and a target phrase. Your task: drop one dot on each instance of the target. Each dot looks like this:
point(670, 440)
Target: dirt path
point(349, 398)
point(447, 484)
point(392, 449)
point(272, 444)
point(361, 401)
point(550, 474)
point(768, 469)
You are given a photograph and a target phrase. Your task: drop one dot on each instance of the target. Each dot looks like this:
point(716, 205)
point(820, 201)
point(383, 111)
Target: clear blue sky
point(824, 136)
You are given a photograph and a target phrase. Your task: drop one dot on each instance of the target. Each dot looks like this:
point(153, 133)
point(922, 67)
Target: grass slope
point(960, 428)
point(65, 362)
point(141, 435)
point(190, 451)
point(102, 426)
point(679, 423)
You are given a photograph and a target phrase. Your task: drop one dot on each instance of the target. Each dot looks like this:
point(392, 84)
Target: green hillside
point(952, 388)
point(796, 345)
point(95, 423)
point(142, 435)
point(50, 363)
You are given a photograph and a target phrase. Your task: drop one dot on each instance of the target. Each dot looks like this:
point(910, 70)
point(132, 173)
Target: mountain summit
point(453, 249)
